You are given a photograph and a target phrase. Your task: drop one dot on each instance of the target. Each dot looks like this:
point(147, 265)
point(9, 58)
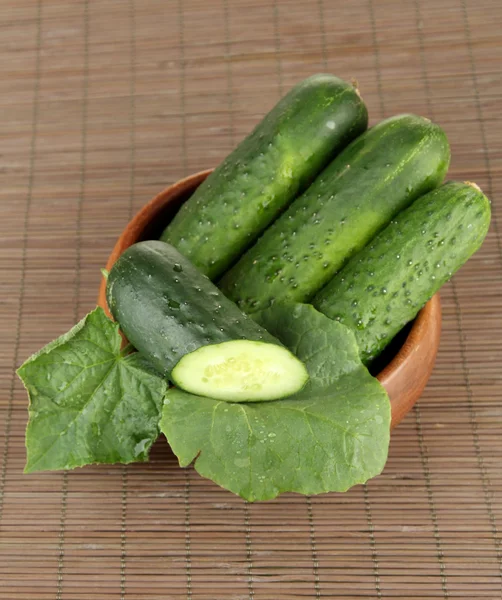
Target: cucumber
point(260, 178)
point(192, 334)
point(385, 285)
point(378, 175)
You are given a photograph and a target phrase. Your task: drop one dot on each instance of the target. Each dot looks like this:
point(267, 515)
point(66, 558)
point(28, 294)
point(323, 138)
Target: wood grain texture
point(105, 103)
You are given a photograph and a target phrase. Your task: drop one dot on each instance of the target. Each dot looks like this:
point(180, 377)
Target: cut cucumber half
point(241, 371)
point(194, 335)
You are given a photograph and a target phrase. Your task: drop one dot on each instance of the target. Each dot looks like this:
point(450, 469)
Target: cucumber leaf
point(330, 436)
point(90, 402)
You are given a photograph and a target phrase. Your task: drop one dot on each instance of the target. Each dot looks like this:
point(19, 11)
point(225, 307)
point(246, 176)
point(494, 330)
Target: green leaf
point(332, 435)
point(89, 402)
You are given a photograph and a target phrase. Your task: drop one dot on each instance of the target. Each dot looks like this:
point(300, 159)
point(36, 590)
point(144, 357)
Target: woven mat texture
point(104, 103)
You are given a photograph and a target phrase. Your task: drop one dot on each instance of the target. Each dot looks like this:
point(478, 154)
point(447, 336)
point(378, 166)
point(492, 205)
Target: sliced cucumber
point(240, 371)
point(189, 331)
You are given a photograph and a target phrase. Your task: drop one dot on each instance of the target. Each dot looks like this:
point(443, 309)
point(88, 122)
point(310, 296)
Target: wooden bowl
point(405, 367)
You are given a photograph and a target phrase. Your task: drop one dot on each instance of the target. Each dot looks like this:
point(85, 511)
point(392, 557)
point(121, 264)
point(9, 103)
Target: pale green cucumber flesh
point(241, 371)
point(385, 285)
point(379, 174)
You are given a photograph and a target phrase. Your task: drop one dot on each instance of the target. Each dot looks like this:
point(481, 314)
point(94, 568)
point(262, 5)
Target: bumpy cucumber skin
point(375, 177)
point(261, 177)
point(167, 308)
point(385, 285)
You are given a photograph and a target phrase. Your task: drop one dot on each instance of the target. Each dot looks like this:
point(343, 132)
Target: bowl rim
point(416, 334)
point(420, 329)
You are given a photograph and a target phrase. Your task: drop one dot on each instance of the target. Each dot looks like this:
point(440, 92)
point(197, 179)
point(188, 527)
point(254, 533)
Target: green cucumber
point(194, 335)
point(261, 177)
point(378, 175)
point(385, 285)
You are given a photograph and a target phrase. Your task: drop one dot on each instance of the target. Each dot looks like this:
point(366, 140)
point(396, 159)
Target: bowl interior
point(165, 212)
point(391, 351)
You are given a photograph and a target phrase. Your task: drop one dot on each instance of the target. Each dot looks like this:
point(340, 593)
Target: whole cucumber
point(191, 333)
point(261, 177)
point(385, 285)
point(375, 177)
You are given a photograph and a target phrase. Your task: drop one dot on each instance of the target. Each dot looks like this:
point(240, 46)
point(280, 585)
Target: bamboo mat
point(106, 102)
